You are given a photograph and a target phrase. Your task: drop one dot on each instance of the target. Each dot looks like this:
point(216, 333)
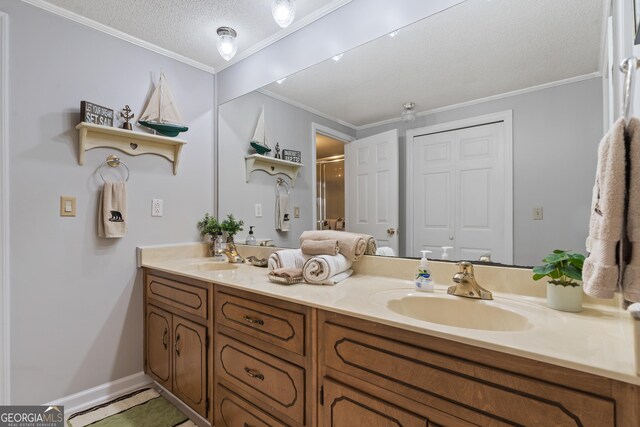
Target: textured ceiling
point(476, 49)
point(188, 27)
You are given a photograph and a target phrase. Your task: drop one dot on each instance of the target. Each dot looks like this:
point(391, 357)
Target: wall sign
point(292, 156)
point(96, 114)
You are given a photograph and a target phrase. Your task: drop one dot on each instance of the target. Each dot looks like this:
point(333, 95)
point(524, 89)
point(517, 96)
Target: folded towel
point(631, 275)
point(112, 212)
point(282, 211)
point(287, 258)
point(372, 246)
point(385, 251)
point(601, 272)
point(320, 247)
point(322, 267)
point(334, 280)
point(287, 272)
point(352, 245)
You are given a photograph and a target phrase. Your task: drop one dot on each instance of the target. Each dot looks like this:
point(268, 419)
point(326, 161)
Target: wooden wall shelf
point(130, 142)
point(272, 166)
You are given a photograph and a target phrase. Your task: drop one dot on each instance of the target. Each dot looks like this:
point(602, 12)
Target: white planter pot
point(564, 298)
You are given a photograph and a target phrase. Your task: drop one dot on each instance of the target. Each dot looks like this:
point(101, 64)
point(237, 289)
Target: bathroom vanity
point(241, 351)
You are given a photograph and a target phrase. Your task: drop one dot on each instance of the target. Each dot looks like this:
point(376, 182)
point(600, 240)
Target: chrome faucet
point(466, 285)
point(232, 254)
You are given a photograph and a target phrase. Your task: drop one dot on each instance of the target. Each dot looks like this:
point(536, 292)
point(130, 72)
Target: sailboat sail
point(162, 113)
point(259, 140)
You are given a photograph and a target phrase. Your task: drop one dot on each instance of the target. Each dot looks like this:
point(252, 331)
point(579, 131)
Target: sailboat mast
point(160, 97)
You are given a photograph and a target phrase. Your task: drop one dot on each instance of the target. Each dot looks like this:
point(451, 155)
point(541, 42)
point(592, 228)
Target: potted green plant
point(209, 226)
point(564, 272)
point(231, 226)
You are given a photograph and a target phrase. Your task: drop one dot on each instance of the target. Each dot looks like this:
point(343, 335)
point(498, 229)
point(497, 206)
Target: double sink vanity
point(242, 351)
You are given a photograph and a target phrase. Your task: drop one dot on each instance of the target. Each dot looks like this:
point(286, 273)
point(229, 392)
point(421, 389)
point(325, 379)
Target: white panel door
point(372, 171)
point(459, 197)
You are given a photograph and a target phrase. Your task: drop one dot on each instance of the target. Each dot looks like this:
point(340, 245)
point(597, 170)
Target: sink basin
point(210, 266)
point(459, 312)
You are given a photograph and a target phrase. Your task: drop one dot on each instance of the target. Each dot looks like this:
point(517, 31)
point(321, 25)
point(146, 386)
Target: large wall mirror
point(474, 129)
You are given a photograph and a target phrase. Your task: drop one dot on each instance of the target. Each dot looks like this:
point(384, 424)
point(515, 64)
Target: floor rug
point(143, 408)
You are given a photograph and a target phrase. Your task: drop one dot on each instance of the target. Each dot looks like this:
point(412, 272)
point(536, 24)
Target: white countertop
point(598, 340)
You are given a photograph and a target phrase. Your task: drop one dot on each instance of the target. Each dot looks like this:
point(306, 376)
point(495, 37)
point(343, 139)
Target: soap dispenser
point(445, 254)
point(251, 239)
point(424, 282)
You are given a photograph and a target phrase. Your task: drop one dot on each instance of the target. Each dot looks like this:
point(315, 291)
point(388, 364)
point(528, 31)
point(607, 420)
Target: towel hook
point(628, 67)
point(113, 161)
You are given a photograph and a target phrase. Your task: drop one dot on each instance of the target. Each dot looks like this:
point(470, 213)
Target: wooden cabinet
point(454, 384)
point(265, 353)
point(177, 330)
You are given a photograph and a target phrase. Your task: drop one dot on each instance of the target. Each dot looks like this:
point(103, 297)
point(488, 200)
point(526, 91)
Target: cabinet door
point(158, 341)
point(347, 407)
point(190, 364)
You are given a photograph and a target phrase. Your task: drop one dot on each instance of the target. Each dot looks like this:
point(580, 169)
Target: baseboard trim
point(102, 393)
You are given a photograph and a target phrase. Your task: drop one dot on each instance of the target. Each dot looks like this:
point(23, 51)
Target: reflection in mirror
point(499, 161)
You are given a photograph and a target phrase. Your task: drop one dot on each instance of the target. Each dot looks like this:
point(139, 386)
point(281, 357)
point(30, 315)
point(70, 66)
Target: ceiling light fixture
point(283, 12)
point(337, 57)
point(227, 44)
point(408, 112)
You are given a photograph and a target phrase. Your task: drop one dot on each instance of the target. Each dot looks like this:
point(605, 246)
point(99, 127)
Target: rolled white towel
point(287, 258)
point(319, 268)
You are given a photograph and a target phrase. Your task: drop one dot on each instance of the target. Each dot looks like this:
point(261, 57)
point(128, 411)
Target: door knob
point(391, 231)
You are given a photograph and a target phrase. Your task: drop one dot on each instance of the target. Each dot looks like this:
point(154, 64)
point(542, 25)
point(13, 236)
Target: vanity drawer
point(234, 411)
point(275, 325)
point(188, 298)
point(436, 379)
point(265, 378)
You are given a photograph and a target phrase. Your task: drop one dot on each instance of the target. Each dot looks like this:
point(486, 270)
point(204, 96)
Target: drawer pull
point(254, 374)
point(164, 337)
point(253, 320)
point(246, 425)
point(176, 345)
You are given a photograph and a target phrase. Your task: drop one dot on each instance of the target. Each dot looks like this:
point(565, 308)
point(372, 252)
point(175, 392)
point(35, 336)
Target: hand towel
point(601, 271)
point(322, 267)
point(334, 280)
point(283, 222)
point(112, 212)
point(288, 272)
point(287, 258)
point(320, 247)
point(352, 245)
point(631, 272)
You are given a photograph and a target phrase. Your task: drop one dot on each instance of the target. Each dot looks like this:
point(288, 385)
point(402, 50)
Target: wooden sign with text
point(96, 114)
point(292, 156)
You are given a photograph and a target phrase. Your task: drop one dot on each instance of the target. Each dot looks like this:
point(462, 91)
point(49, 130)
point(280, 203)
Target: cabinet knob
point(164, 337)
point(176, 345)
point(253, 320)
point(254, 374)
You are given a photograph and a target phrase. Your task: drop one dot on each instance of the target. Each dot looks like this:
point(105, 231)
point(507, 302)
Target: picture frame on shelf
point(292, 156)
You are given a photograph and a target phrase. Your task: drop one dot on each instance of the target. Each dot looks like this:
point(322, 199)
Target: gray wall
point(556, 132)
point(286, 124)
point(76, 300)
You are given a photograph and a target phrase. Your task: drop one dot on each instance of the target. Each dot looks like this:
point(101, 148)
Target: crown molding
point(295, 26)
point(305, 108)
point(570, 80)
point(56, 10)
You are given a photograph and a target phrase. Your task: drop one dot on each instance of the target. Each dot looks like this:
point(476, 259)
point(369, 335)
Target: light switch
point(258, 209)
point(67, 206)
point(537, 213)
point(296, 212)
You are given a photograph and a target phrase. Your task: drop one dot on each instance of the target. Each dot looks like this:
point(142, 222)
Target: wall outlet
point(537, 213)
point(258, 210)
point(156, 207)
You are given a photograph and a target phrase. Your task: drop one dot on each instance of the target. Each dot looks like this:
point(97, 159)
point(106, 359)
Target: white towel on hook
point(283, 222)
point(112, 213)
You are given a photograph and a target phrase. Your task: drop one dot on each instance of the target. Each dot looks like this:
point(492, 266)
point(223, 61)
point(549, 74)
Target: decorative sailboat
point(259, 140)
point(161, 113)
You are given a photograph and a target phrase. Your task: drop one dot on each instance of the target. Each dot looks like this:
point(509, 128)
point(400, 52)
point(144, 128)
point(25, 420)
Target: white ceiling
point(188, 27)
point(476, 49)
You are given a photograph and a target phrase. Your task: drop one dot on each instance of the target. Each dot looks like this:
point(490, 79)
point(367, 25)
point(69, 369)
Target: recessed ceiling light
point(338, 57)
point(281, 81)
